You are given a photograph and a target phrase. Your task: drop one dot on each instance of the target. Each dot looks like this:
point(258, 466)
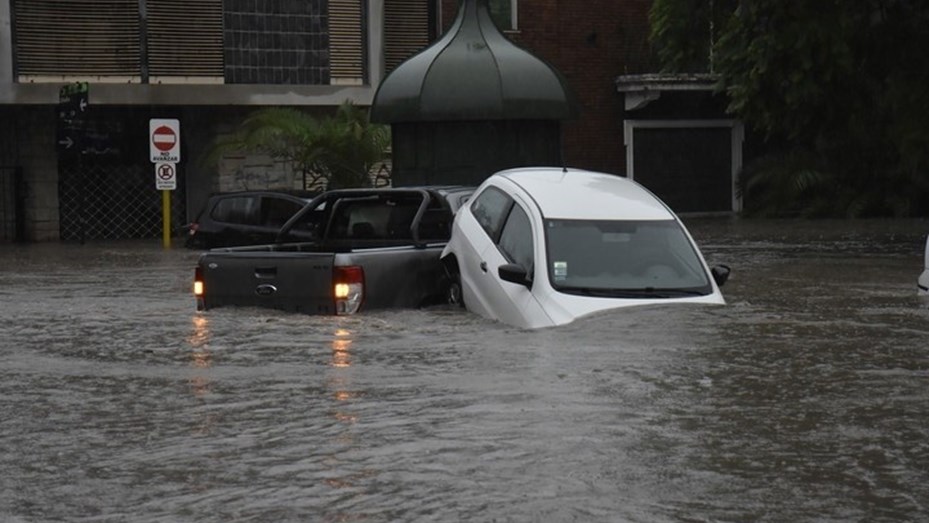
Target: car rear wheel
point(453, 293)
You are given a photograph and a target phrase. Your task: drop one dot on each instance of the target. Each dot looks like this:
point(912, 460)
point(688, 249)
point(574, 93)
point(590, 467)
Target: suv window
point(490, 209)
point(237, 209)
point(516, 238)
point(276, 211)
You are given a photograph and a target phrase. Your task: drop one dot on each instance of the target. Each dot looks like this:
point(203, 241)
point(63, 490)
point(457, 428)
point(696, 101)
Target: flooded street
point(806, 398)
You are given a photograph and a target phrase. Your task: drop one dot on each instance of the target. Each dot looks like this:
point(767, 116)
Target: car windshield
point(623, 259)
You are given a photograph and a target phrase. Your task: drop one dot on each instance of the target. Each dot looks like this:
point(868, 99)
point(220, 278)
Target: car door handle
point(484, 266)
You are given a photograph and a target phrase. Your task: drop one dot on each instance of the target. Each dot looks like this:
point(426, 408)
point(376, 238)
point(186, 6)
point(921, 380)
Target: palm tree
point(337, 151)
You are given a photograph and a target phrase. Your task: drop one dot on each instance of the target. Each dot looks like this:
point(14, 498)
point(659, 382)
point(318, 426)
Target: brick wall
point(591, 43)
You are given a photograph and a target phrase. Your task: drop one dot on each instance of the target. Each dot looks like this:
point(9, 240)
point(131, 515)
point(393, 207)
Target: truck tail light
point(198, 287)
point(198, 282)
point(348, 288)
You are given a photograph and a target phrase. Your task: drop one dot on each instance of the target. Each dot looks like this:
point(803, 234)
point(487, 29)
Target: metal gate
point(112, 201)
point(12, 205)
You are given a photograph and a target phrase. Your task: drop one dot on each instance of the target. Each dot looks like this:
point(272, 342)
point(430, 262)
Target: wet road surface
point(804, 399)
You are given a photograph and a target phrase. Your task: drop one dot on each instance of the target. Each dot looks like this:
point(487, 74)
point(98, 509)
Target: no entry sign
point(165, 140)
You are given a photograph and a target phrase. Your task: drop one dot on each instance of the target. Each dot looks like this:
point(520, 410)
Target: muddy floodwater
point(806, 398)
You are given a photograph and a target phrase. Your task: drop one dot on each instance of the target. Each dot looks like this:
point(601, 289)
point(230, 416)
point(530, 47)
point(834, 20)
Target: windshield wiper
point(646, 292)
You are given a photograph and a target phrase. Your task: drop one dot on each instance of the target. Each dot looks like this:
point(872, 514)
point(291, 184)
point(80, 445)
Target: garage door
point(689, 168)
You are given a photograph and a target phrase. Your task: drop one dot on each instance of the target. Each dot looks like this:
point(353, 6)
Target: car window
point(614, 255)
point(490, 209)
point(516, 238)
point(309, 224)
point(237, 209)
point(276, 211)
point(374, 217)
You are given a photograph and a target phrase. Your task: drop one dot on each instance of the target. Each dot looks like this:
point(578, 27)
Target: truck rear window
point(386, 219)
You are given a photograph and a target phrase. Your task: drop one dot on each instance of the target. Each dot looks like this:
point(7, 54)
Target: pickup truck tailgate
point(297, 282)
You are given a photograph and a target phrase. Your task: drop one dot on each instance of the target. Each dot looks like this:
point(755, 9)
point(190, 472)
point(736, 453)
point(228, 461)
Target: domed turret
point(473, 72)
point(471, 104)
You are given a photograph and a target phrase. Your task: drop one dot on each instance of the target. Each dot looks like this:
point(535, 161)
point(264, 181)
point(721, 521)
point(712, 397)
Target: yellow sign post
point(166, 181)
point(166, 218)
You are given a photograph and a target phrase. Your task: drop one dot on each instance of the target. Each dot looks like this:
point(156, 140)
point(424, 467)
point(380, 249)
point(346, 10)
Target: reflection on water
point(339, 382)
point(200, 334)
point(341, 357)
point(200, 356)
point(804, 399)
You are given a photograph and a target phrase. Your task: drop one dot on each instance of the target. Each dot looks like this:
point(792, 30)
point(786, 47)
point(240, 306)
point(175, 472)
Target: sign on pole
point(164, 141)
point(164, 136)
point(165, 176)
point(72, 109)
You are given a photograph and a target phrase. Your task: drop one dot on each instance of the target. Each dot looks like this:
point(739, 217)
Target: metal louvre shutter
point(346, 47)
point(87, 38)
point(185, 38)
point(406, 30)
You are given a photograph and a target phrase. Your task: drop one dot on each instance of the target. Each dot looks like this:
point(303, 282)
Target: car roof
point(295, 194)
point(586, 195)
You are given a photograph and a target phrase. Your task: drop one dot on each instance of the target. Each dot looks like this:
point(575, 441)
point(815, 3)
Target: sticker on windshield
point(561, 270)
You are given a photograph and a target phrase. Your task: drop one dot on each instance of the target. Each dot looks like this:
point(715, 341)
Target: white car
point(543, 246)
point(923, 282)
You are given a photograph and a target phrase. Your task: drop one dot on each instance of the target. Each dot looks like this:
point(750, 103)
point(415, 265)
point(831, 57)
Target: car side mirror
point(720, 274)
point(515, 273)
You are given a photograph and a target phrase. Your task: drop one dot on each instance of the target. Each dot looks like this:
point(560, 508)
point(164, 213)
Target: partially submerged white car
point(538, 247)
point(923, 283)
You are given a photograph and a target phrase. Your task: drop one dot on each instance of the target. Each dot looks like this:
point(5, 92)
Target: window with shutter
point(185, 41)
point(346, 42)
point(406, 30)
point(96, 39)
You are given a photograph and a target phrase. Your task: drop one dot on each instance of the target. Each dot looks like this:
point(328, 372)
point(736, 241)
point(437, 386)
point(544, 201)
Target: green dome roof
point(473, 73)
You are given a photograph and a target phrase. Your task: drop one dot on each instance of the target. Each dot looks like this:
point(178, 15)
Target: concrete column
point(375, 24)
point(39, 161)
point(6, 45)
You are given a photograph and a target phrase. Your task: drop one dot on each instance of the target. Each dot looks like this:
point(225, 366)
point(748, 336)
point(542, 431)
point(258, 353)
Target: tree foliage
point(844, 85)
point(339, 150)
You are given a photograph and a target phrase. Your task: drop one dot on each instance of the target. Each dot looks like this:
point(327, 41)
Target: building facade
point(208, 63)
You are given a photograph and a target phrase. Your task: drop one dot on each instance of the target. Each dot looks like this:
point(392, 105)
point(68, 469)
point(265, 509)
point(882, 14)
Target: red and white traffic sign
point(165, 176)
point(165, 140)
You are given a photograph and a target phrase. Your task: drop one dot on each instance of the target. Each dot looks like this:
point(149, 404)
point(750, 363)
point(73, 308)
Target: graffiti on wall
point(251, 172)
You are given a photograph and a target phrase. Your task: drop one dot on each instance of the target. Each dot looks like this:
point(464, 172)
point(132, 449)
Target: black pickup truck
point(344, 251)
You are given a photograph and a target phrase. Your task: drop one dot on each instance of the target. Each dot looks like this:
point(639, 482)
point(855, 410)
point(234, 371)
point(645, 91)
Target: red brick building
point(591, 43)
point(669, 132)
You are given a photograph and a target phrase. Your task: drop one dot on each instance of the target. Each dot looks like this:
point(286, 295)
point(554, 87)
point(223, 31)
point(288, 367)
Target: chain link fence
point(114, 202)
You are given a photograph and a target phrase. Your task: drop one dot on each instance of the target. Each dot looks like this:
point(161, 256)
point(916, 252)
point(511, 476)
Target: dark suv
point(243, 218)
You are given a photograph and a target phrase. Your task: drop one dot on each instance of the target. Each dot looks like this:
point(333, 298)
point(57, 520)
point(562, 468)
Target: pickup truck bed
point(368, 249)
